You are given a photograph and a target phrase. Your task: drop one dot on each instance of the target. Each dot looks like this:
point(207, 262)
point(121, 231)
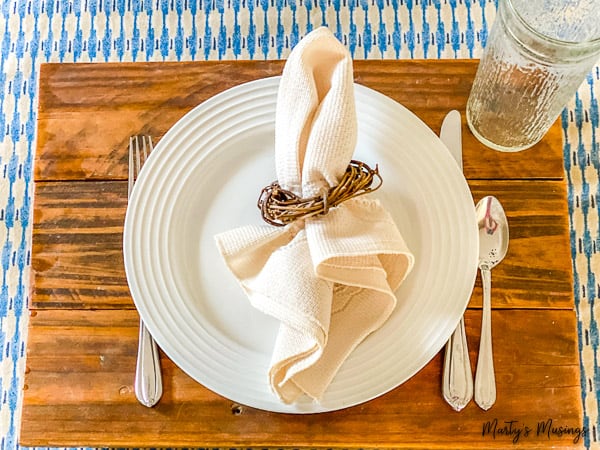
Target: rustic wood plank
point(84, 124)
point(79, 392)
point(77, 245)
point(537, 270)
point(77, 259)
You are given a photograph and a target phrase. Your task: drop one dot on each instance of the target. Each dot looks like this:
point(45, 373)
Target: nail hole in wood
point(124, 390)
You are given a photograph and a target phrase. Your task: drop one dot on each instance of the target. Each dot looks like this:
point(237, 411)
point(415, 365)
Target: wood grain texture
point(80, 373)
point(537, 271)
point(77, 259)
point(83, 331)
point(77, 245)
point(84, 125)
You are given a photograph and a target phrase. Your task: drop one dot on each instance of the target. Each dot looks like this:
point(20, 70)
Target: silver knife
point(457, 381)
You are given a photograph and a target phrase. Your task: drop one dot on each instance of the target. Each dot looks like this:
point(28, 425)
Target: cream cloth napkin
point(328, 279)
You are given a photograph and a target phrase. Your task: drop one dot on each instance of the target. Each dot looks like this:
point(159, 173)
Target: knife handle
point(457, 384)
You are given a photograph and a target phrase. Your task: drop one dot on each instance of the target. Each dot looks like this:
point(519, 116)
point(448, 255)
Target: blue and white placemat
point(37, 31)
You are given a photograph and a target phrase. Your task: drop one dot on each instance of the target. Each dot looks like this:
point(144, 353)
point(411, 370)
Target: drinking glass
point(538, 54)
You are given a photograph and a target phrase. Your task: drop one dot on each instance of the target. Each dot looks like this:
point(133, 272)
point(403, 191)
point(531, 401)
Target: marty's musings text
point(516, 430)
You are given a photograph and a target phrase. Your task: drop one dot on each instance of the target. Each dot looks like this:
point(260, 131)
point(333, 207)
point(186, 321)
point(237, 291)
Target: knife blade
point(451, 135)
point(457, 382)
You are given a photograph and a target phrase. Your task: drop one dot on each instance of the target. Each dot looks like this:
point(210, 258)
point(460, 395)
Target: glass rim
point(555, 41)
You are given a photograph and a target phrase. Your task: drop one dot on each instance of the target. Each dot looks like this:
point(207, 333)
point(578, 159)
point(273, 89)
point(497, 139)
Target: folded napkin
point(329, 279)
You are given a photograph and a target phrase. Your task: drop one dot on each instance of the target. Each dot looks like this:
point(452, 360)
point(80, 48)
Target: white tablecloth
point(36, 31)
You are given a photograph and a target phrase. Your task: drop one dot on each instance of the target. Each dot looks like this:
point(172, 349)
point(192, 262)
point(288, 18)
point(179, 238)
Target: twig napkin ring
point(280, 207)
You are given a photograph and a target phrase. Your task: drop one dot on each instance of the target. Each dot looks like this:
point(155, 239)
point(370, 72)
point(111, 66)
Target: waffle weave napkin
point(329, 279)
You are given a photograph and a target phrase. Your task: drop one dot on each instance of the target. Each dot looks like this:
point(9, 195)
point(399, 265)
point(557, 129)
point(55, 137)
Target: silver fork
point(148, 378)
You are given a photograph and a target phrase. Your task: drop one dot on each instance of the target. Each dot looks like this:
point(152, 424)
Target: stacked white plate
point(205, 176)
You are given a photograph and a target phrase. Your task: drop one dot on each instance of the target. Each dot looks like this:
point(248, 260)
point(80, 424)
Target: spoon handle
point(457, 384)
point(485, 381)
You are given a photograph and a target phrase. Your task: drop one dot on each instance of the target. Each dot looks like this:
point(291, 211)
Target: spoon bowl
point(493, 232)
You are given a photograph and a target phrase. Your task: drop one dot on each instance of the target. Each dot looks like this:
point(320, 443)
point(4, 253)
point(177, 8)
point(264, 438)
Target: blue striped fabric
point(582, 167)
point(36, 31)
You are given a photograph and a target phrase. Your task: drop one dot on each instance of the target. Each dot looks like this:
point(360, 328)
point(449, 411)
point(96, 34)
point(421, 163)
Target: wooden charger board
point(83, 329)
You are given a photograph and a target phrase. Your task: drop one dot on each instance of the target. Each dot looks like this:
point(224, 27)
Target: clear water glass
point(538, 54)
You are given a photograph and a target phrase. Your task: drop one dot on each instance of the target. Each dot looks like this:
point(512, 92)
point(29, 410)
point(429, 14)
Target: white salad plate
point(205, 176)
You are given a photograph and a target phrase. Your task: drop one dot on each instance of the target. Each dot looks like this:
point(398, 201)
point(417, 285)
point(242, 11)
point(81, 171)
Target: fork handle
point(148, 378)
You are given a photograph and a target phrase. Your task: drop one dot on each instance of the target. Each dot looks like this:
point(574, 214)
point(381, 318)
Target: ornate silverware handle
point(148, 378)
point(485, 380)
point(457, 383)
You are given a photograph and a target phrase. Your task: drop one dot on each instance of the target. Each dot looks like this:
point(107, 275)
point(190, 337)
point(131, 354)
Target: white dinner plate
point(205, 176)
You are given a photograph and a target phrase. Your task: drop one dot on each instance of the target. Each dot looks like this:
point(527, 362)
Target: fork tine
point(137, 157)
point(150, 145)
point(145, 146)
point(131, 178)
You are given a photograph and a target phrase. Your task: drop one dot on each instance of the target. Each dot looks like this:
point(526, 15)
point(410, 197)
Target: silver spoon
point(493, 244)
